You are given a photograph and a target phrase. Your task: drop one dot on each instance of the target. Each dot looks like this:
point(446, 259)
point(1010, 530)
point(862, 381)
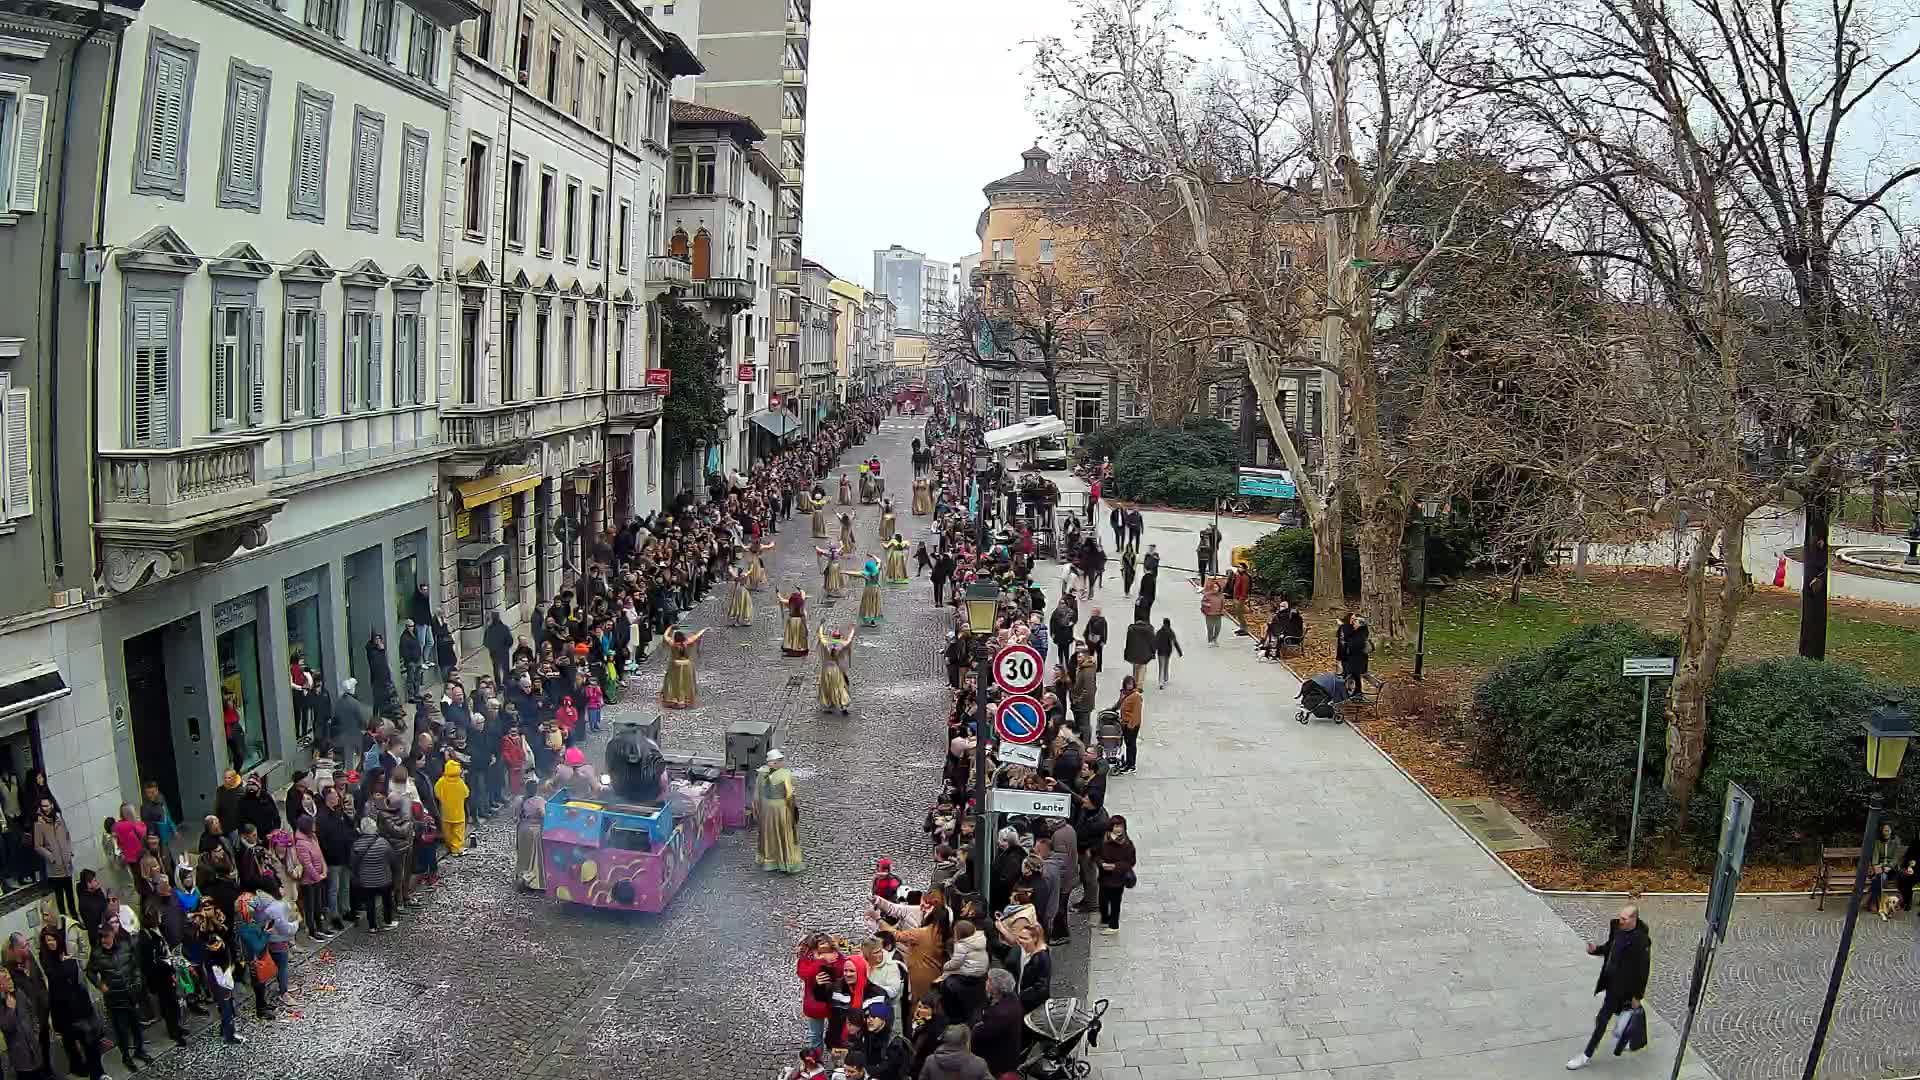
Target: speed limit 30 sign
point(1017, 669)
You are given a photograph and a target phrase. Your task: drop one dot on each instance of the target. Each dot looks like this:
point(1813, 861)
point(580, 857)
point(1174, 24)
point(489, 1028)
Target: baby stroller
point(1058, 1026)
point(1323, 696)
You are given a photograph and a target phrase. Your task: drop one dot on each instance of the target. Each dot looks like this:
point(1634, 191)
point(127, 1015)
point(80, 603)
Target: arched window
point(702, 255)
point(679, 244)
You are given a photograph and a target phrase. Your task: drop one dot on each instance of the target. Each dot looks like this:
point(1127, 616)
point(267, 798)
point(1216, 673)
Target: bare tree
point(1035, 319)
point(1349, 85)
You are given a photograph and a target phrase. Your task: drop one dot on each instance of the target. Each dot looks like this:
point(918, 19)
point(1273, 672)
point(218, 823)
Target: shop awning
point(26, 690)
point(495, 486)
point(480, 551)
point(778, 424)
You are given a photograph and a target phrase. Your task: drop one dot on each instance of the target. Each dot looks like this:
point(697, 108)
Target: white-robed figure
point(836, 669)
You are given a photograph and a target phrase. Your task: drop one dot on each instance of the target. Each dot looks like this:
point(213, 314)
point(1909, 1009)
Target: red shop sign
point(746, 373)
point(660, 377)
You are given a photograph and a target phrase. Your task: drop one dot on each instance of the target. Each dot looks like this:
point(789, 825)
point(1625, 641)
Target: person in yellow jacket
point(451, 790)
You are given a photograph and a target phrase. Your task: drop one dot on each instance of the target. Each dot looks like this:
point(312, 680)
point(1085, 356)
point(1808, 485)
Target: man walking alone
point(1626, 962)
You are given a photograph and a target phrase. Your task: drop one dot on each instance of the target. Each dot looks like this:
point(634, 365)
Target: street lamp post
point(1888, 730)
point(983, 605)
point(1431, 507)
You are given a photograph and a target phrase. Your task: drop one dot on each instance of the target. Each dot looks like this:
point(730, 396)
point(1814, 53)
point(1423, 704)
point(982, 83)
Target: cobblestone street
point(486, 982)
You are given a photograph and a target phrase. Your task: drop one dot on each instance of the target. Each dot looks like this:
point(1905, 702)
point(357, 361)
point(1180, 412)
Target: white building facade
point(268, 333)
point(554, 206)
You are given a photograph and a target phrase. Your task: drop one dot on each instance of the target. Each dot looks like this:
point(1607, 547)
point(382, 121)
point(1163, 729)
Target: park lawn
point(1472, 628)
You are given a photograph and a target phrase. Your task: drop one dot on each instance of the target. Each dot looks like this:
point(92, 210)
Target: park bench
point(1848, 859)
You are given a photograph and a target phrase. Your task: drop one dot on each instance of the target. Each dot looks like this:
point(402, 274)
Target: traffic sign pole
point(1647, 668)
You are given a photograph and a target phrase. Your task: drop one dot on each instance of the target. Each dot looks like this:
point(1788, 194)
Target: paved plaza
point(1304, 909)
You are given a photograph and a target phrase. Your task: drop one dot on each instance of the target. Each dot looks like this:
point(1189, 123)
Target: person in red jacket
point(814, 967)
point(886, 884)
point(1239, 587)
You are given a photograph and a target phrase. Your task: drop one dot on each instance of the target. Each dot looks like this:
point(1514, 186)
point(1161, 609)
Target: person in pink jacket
point(313, 877)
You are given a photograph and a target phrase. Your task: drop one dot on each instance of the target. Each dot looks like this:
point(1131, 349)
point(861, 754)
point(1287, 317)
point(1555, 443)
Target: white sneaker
point(1577, 1062)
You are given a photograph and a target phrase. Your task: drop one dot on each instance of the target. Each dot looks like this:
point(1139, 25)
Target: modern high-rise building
point(920, 288)
point(755, 57)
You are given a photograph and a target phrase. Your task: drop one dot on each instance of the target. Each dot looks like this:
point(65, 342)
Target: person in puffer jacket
point(963, 978)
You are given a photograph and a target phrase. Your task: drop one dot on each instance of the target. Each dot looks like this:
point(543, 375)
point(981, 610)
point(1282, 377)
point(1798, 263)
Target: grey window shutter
point(169, 118)
point(248, 105)
point(350, 391)
point(419, 361)
point(374, 361)
point(19, 451)
point(222, 370)
point(257, 367)
point(318, 407)
point(30, 129)
point(289, 370)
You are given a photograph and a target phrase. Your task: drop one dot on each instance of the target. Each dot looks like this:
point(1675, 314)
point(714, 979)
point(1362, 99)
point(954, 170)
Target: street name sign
point(1031, 803)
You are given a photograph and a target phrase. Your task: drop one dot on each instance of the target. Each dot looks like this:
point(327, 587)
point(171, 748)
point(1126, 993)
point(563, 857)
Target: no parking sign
point(1019, 719)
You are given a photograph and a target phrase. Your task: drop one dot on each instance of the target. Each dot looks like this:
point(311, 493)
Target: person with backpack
point(115, 971)
point(1165, 644)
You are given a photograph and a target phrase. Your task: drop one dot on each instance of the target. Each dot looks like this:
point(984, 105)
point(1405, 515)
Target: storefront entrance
point(366, 613)
point(169, 715)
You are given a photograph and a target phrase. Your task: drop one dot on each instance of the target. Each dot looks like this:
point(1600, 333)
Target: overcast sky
point(912, 108)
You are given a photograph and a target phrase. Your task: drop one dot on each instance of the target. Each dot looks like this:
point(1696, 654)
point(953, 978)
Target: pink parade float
point(634, 849)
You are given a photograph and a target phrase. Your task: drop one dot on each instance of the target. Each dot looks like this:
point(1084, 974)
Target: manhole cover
point(1171, 528)
point(795, 680)
point(1490, 822)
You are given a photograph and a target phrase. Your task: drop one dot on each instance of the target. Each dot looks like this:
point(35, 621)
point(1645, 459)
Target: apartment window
point(595, 227)
point(572, 224)
point(360, 354)
point(540, 316)
point(16, 447)
point(307, 175)
point(599, 98)
point(470, 355)
point(596, 354)
point(620, 348)
point(477, 187)
point(160, 160)
point(579, 85)
point(523, 51)
point(1086, 299)
point(683, 171)
point(412, 212)
point(483, 34)
point(703, 170)
point(1283, 260)
point(510, 352)
point(244, 139)
point(324, 16)
point(237, 370)
point(376, 29)
point(152, 356)
point(423, 49)
point(620, 237)
point(656, 221)
point(547, 181)
point(1003, 251)
point(566, 349)
point(735, 187)
point(409, 352)
point(626, 117)
point(1046, 249)
point(303, 391)
point(517, 203)
point(753, 227)
point(363, 187)
point(553, 69)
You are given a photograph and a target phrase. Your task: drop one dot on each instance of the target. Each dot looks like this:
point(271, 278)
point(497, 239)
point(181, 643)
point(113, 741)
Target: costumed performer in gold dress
point(847, 541)
point(836, 669)
point(922, 497)
point(794, 642)
point(833, 581)
point(897, 561)
point(757, 564)
point(846, 490)
point(681, 688)
point(816, 504)
point(775, 816)
point(870, 613)
point(889, 521)
point(740, 605)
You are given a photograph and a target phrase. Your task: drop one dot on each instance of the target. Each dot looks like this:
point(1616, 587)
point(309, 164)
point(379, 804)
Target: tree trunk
point(1382, 564)
point(1383, 512)
point(1815, 556)
point(1877, 502)
point(1329, 576)
point(1705, 631)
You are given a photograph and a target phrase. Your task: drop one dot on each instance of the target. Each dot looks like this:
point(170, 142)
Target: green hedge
point(1563, 723)
point(1188, 466)
point(1789, 731)
point(1282, 565)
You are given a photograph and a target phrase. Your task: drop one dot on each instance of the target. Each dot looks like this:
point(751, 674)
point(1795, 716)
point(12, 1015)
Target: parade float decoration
point(634, 845)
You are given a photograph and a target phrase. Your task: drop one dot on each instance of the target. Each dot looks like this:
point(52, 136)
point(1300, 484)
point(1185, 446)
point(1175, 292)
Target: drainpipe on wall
point(110, 96)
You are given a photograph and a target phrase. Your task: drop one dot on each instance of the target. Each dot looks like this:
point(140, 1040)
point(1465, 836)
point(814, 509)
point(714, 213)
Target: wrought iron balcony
point(165, 512)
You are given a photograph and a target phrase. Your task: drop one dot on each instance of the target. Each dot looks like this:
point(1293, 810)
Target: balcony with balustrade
point(635, 408)
point(667, 273)
point(726, 293)
point(165, 512)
